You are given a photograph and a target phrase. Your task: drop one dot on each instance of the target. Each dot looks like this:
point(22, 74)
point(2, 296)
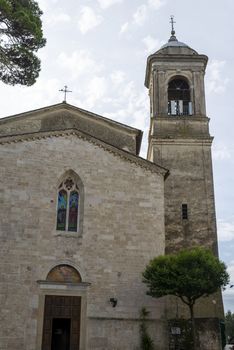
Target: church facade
point(82, 214)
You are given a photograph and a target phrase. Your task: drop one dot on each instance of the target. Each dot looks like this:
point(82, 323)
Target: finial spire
point(173, 37)
point(172, 25)
point(65, 90)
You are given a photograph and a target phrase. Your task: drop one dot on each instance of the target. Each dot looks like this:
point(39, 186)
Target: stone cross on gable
point(65, 90)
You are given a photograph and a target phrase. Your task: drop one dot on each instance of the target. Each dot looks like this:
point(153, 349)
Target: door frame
point(62, 289)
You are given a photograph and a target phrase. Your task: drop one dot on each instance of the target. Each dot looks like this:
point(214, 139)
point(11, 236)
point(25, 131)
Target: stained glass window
point(68, 205)
point(62, 210)
point(73, 211)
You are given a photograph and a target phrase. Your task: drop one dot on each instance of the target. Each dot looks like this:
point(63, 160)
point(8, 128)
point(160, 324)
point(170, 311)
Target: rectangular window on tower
point(184, 211)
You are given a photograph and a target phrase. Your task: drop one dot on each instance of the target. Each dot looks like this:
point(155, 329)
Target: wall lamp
point(113, 302)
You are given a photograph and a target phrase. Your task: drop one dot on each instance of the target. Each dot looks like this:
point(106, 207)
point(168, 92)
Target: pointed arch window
point(68, 206)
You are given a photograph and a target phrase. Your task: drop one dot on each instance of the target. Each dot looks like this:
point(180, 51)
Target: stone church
point(82, 214)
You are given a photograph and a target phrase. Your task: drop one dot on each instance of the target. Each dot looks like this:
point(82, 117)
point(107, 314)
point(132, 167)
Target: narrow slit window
point(62, 210)
point(73, 211)
point(184, 211)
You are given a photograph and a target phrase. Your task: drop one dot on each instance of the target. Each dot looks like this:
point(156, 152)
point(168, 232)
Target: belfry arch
point(179, 97)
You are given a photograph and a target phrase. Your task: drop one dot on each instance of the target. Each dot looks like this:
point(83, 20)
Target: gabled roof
point(64, 116)
point(138, 161)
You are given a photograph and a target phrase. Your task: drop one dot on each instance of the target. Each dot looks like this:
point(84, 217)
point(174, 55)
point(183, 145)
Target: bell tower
point(179, 140)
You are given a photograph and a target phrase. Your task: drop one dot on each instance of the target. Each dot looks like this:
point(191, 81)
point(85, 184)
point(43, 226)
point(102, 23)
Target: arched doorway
point(61, 327)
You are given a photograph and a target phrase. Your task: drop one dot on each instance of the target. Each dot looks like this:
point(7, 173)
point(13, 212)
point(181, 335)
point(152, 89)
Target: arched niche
point(64, 274)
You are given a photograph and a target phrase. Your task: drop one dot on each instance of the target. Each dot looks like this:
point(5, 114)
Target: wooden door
point(61, 322)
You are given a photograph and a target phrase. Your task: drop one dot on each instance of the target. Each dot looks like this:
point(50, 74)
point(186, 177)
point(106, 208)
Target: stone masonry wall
point(123, 228)
point(190, 182)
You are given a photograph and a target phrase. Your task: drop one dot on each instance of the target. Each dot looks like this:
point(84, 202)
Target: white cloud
point(118, 77)
point(140, 15)
point(130, 106)
point(104, 4)
point(88, 19)
point(221, 152)
point(215, 80)
point(45, 5)
point(124, 27)
point(156, 4)
point(152, 44)
point(225, 231)
point(96, 90)
point(78, 63)
point(56, 18)
point(45, 92)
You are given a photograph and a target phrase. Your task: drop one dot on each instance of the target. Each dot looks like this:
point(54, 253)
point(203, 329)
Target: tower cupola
point(175, 79)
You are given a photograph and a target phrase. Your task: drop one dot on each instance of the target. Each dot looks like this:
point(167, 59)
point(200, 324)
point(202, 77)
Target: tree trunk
point(193, 327)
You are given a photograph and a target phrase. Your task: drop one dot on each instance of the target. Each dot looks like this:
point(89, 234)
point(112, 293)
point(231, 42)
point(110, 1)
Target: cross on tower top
point(65, 90)
point(172, 25)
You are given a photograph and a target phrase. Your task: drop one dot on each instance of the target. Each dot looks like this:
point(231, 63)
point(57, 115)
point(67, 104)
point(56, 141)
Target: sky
point(98, 48)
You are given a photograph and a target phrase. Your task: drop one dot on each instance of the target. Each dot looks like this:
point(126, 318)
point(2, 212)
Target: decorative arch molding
point(64, 274)
point(70, 203)
point(68, 262)
point(70, 173)
point(180, 76)
point(187, 76)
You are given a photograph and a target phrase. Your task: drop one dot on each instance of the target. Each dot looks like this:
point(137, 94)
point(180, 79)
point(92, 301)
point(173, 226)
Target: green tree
point(20, 37)
point(188, 275)
point(229, 325)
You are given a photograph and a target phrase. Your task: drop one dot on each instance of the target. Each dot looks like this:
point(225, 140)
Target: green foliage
point(146, 341)
point(189, 275)
point(229, 325)
point(20, 37)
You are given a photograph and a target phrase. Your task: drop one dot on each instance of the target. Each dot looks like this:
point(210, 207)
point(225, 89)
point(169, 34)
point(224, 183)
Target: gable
point(124, 155)
point(66, 117)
